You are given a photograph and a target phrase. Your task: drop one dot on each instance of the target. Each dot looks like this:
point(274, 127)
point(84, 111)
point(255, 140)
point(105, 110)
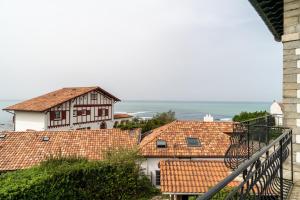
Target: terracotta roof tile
point(191, 176)
point(24, 149)
point(49, 100)
point(213, 140)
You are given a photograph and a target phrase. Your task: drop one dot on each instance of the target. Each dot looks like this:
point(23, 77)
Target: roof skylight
point(161, 144)
point(192, 142)
point(46, 138)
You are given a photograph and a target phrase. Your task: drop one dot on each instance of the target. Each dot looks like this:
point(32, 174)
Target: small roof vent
point(45, 139)
point(2, 136)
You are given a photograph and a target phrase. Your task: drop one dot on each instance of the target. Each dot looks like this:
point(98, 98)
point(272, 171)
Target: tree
point(158, 120)
point(244, 116)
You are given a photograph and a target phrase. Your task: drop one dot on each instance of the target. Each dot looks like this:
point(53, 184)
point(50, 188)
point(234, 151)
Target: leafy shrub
point(148, 125)
point(71, 178)
point(244, 116)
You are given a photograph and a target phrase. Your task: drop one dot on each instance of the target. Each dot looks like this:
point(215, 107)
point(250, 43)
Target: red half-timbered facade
point(71, 108)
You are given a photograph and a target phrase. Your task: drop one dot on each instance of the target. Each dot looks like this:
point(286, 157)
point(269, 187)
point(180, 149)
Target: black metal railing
point(259, 172)
point(250, 136)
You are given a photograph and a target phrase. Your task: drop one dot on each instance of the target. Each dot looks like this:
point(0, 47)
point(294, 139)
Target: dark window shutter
point(52, 115)
point(79, 112)
point(100, 112)
point(88, 112)
point(63, 114)
point(106, 112)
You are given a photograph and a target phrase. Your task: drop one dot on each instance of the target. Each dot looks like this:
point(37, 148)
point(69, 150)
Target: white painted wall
point(30, 120)
point(92, 125)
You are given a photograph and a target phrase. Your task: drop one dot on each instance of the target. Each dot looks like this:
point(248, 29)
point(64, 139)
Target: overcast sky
point(139, 49)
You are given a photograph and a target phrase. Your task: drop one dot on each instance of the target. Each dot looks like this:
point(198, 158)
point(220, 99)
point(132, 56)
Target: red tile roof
point(213, 140)
point(24, 149)
point(192, 177)
point(47, 101)
point(122, 115)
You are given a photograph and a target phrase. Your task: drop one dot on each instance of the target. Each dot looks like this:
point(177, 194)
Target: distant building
point(208, 118)
point(276, 109)
point(66, 109)
point(194, 141)
point(21, 150)
point(121, 118)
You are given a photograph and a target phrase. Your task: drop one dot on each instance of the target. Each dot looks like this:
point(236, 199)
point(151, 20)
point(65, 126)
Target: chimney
point(208, 118)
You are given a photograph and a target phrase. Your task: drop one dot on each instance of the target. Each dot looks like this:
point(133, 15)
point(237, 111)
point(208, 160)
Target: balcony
point(259, 148)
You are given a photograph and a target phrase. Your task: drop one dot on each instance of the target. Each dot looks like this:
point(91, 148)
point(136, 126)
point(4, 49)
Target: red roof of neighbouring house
point(121, 116)
point(25, 149)
point(47, 101)
point(192, 177)
point(214, 141)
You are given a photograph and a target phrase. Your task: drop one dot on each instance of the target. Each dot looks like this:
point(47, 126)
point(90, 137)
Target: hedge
point(76, 179)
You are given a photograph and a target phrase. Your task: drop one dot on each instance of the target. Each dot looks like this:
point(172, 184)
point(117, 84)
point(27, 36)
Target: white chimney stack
point(208, 118)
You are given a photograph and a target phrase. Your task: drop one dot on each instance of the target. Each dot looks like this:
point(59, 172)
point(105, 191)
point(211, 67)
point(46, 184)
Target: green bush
point(244, 116)
point(148, 125)
point(71, 178)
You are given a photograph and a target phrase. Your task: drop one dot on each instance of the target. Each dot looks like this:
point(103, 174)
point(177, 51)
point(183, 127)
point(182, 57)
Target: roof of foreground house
point(191, 177)
point(24, 149)
point(212, 136)
point(49, 100)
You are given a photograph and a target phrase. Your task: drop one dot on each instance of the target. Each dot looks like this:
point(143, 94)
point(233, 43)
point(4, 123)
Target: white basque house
point(66, 109)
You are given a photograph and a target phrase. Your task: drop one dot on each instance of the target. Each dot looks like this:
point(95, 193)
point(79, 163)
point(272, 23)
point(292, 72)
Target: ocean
point(185, 110)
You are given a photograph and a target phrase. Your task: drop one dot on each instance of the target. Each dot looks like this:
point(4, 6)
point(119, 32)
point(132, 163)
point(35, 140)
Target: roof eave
point(276, 28)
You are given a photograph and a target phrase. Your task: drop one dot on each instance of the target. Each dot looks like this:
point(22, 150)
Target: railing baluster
point(281, 169)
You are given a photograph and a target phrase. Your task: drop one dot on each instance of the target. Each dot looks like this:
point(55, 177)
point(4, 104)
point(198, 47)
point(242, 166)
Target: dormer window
point(193, 142)
point(161, 144)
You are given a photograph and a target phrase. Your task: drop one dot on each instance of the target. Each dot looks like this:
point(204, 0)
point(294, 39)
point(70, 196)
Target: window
point(57, 115)
point(74, 113)
point(192, 142)
point(94, 96)
point(106, 112)
point(103, 112)
point(157, 177)
point(161, 144)
point(83, 112)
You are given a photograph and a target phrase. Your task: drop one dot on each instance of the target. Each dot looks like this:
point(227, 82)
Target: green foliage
point(147, 125)
point(64, 178)
point(222, 194)
point(244, 116)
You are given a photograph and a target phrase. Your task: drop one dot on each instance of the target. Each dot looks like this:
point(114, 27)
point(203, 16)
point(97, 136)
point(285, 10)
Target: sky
point(191, 50)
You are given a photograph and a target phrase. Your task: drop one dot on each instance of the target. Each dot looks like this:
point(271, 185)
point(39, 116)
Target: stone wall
point(291, 72)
